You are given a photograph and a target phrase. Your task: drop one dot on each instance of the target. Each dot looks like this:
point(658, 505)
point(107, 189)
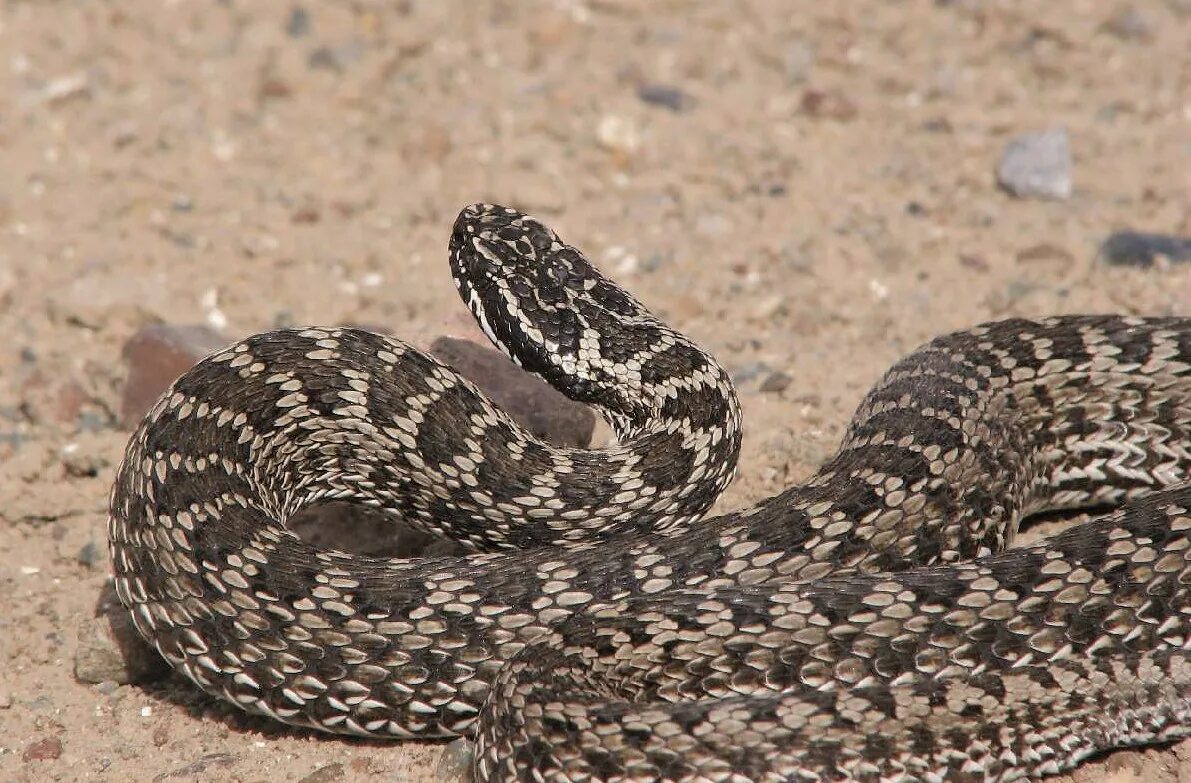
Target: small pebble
point(1135, 248)
point(742, 375)
point(93, 421)
point(1044, 252)
point(307, 215)
point(713, 225)
point(937, 125)
point(972, 261)
point(653, 263)
point(5, 700)
point(618, 134)
point(201, 765)
point(107, 687)
point(123, 135)
point(272, 87)
point(336, 58)
point(1037, 165)
point(454, 765)
point(829, 105)
point(666, 96)
point(298, 24)
point(776, 382)
point(325, 774)
point(46, 749)
point(797, 61)
point(770, 307)
point(52, 398)
point(64, 88)
point(215, 317)
point(88, 554)
point(80, 463)
point(1130, 24)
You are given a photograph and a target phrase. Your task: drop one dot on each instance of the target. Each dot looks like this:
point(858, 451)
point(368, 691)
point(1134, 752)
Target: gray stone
point(747, 373)
point(89, 554)
point(1130, 24)
point(797, 61)
point(776, 382)
point(201, 765)
point(336, 58)
point(454, 765)
point(325, 774)
point(666, 96)
point(1136, 248)
point(1037, 165)
point(298, 25)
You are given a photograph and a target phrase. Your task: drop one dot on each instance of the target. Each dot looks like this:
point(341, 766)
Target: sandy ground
point(810, 194)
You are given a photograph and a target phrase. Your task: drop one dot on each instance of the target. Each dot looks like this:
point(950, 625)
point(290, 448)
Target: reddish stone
point(306, 214)
point(829, 105)
point(532, 402)
point(46, 749)
point(156, 356)
point(50, 399)
point(70, 401)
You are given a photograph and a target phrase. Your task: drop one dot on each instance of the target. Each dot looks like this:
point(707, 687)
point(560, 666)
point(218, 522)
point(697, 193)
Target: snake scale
point(867, 624)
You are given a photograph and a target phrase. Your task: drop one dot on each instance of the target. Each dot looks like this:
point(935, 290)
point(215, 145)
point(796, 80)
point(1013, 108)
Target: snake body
point(867, 624)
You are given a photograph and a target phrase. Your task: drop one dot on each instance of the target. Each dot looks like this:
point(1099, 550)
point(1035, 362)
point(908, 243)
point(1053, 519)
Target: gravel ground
point(810, 195)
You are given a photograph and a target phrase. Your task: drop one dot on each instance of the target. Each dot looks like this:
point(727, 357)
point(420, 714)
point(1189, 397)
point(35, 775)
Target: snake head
point(544, 304)
point(536, 297)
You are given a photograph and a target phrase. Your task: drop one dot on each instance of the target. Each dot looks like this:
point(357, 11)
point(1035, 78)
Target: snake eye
point(540, 238)
point(559, 270)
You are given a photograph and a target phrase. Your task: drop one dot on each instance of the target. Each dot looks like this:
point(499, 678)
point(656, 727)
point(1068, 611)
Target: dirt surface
point(809, 194)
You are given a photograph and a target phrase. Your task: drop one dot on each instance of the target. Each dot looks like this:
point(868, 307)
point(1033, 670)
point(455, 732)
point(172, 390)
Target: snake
point(872, 622)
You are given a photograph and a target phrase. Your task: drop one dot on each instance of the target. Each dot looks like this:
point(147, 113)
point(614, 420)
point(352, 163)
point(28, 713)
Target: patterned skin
point(865, 624)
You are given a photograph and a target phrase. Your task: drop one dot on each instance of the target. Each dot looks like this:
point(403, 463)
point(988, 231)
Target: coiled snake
point(866, 624)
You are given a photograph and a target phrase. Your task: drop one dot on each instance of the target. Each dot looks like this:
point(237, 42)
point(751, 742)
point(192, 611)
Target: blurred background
point(808, 189)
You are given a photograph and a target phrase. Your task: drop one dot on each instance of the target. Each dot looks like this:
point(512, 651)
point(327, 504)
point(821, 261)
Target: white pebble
point(618, 134)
